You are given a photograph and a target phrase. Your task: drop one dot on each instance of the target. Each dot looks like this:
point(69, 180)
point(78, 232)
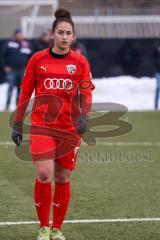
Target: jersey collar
point(55, 55)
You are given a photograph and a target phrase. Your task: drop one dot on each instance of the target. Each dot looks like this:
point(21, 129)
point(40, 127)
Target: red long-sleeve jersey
point(63, 88)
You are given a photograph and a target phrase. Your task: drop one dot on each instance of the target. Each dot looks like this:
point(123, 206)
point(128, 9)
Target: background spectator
point(15, 55)
point(43, 42)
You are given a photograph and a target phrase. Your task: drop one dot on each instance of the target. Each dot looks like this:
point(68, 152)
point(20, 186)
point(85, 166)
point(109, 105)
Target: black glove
point(81, 124)
point(17, 133)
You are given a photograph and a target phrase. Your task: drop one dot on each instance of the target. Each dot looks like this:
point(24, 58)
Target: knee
point(44, 175)
point(62, 178)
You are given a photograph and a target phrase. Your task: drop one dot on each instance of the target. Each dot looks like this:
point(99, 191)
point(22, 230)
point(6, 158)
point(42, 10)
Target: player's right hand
point(17, 133)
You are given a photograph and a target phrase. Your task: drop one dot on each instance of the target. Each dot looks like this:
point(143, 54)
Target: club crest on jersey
point(71, 68)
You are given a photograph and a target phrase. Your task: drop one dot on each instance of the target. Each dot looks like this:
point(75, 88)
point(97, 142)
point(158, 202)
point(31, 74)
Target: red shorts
point(47, 148)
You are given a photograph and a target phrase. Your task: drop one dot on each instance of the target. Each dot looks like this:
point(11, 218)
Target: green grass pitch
point(103, 186)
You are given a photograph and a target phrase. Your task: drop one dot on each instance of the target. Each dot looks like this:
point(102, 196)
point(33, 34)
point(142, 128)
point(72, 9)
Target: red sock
point(60, 203)
point(43, 199)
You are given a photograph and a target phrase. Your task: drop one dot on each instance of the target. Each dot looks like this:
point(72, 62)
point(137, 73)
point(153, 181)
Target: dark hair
point(62, 15)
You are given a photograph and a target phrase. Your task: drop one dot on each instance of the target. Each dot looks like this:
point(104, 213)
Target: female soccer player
point(63, 88)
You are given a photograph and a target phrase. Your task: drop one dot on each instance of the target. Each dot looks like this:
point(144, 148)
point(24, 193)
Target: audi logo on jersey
point(58, 83)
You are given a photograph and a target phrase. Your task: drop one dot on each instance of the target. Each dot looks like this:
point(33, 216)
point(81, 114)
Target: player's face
point(63, 36)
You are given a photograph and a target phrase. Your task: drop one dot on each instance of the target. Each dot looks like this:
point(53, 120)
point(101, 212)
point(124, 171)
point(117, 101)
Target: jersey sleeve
point(28, 82)
point(85, 87)
point(86, 77)
point(22, 106)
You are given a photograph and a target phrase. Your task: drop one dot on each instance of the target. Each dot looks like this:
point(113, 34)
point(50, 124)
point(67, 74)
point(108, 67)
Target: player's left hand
point(81, 124)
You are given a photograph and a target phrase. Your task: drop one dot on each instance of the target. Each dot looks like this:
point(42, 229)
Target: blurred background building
point(96, 19)
point(119, 36)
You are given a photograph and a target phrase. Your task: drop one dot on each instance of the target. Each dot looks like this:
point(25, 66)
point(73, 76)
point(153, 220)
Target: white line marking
point(9, 143)
point(87, 221)
point(4, 143)
point(128, 143)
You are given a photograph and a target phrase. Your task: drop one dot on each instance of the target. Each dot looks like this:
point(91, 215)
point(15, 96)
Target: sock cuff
point(62, 183)
point(43, 183)
point(42, 187)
